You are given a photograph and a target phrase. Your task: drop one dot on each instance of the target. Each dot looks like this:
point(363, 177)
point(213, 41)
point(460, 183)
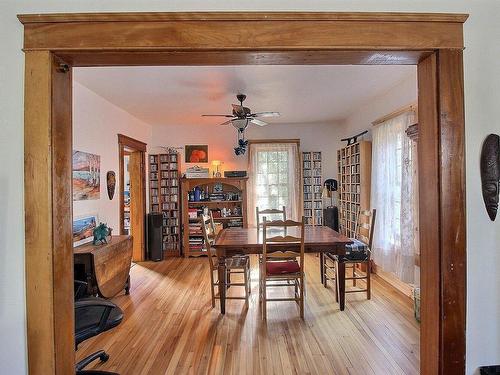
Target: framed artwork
point(83, 229)
point(196, 153)
point(86, 176)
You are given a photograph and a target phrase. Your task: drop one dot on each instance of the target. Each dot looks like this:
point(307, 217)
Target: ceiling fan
point(240, 118)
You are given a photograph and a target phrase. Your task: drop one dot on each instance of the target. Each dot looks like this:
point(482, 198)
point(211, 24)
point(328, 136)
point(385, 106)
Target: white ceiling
point(178, 95)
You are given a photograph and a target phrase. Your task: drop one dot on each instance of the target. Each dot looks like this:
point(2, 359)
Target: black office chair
point(93, 316)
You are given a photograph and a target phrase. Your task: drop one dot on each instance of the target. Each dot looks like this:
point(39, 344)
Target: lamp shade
point(216, 163)
point(324, 192)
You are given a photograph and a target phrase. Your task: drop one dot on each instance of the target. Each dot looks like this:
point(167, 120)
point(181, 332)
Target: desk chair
point(359, 252)
point(234, 265)
point(278, 273)
point(93, 316)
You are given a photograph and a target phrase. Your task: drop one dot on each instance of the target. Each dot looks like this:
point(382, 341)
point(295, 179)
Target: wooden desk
point(106, 266)
point(233, 241)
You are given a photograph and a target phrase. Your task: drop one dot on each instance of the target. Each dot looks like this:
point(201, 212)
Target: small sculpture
point(490, 174)
point(100, 233)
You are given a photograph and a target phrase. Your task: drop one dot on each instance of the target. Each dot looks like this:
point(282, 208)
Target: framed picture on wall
point(83, 229)
point(86, 176)
point(196, 153)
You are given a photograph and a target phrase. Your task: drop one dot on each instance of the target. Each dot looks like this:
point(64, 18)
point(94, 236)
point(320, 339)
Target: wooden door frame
point(134, 144)
point(55, 43)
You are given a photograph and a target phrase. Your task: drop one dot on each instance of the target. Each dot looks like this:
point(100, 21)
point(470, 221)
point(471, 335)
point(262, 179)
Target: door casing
point(54, 43)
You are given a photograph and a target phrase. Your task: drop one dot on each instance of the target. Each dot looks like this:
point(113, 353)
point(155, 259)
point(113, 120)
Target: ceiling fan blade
point(265, 114)
point(217, 115)
point(227, 122)
point(258, 122)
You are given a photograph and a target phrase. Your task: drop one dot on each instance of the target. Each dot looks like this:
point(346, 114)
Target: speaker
point(331, 217)
point(155, 245)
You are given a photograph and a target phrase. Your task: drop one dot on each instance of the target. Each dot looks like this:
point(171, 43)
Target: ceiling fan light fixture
point(240, 123)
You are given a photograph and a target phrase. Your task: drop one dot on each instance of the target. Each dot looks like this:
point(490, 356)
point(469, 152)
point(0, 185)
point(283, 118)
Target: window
point(274, 178)
point(392, 193)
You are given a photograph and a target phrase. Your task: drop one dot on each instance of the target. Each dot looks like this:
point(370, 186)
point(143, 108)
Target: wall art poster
point(196, 153)
point(83, 229)
point(86, 176)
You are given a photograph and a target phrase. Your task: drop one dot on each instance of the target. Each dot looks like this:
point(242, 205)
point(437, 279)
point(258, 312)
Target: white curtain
point(392, 194)
point(274, 178)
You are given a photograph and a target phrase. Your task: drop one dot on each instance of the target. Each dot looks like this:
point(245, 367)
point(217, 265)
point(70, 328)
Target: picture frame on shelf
point(83, 229)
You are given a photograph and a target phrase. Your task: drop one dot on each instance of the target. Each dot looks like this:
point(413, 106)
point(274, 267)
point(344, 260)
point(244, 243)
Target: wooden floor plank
point(170, 328)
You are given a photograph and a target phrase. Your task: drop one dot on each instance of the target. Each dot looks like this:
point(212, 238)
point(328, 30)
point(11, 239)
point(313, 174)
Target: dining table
point(244, 241)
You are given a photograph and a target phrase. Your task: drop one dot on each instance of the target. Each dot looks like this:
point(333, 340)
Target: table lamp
point(216, 164)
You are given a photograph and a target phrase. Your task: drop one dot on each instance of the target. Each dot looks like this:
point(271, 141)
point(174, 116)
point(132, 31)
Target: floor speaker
point(155, 248)
point(331, 217)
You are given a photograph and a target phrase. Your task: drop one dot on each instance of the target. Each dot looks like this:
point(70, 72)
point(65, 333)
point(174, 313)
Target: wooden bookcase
point(164, 197)
point(354, 169)
point(312, 187)
point(223, 194)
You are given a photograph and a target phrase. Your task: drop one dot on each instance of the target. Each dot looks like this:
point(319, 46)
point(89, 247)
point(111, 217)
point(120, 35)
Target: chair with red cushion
point(283, 261)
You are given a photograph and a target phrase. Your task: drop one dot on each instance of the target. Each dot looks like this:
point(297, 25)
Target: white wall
point(482, 90)
point(96, 123)
point(402, 94)
point(221, 141)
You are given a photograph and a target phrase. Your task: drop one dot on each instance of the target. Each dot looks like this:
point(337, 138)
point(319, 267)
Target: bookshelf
point(225, 197)
point(312, 187)
point(164, 197)
point(354, 171)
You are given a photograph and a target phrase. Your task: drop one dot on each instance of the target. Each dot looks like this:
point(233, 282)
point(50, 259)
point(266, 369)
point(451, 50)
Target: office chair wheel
point(104, 357)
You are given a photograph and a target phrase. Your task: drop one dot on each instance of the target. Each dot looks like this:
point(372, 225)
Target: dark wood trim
point(240, 16)
point(104, 39)
point(205, 34)
point(429, 218)
point(48, 219)
point(452, 205)
point(258, 57)
point(132, 143)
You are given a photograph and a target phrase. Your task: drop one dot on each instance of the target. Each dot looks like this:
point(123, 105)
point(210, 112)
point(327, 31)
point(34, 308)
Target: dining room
point(271, 251)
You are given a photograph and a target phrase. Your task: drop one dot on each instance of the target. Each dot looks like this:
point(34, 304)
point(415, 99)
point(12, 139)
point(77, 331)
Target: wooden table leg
point(341, 284)
point(222, 283)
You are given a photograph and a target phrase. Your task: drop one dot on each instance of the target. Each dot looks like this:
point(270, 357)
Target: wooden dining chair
point(269, 211)
point(357, 253)
point(234, 265)
point(278, 244)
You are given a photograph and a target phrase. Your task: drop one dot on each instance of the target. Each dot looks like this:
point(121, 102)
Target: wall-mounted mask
point(111, 183)
point(490, 174)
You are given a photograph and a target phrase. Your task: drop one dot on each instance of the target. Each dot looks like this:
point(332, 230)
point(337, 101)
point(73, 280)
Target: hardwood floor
point(170, 328)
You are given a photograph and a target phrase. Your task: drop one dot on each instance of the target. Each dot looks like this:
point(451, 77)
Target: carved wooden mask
point(490, 174)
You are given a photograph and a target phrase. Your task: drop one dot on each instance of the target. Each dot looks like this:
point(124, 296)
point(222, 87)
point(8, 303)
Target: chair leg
point(323, 271)
point(337, 286)
point(212, 288)
point(247, 288)
point(301, 291)
point(368, 280)
point(264, 301)
point(354, 274)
